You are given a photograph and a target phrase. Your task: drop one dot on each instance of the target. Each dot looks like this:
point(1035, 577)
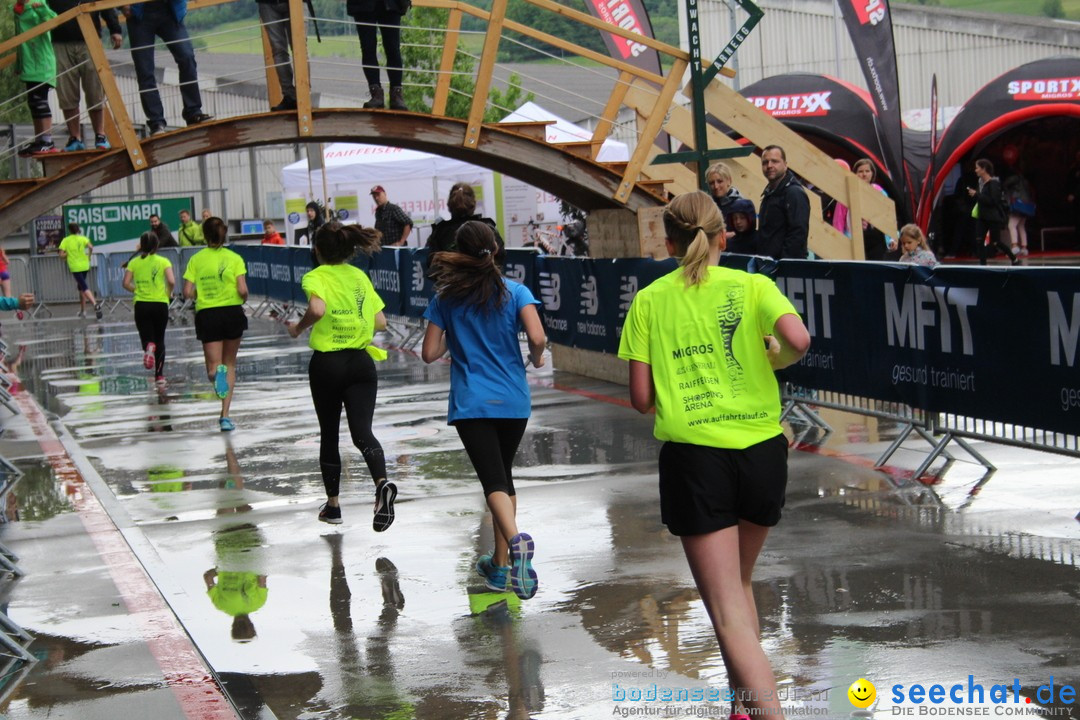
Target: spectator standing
point(742, 233)
point(206, 214)
point(390, 220)
point(74, 69)
point(274, 15)
point(76, 249)
point(35, 64)
point(784, 215)
point(270, 234)
point(1021, 207)
point(989, 212)
point(163, 19)
point(164, 235)
point(384, 17)
point(876, 245)
point(724, 193)
point(914, 248)
point(462, 206)
point(190, 232)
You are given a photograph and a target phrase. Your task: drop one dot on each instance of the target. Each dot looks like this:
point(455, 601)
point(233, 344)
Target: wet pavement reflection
point(866, 576)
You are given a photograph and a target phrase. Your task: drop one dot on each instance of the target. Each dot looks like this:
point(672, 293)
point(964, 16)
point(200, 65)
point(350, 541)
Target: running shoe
point(522, 576)
point(385, 494)
point(495, 578)
point(329, 514)
point(149, 357)
point(97, 310)
point(221, 382)
point(82, 314)
point(160, 379)
point(102, 143)
point(74, 144)
point(226, 424)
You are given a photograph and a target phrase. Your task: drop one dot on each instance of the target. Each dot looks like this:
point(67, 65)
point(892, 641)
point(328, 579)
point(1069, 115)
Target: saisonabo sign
point(113, 222)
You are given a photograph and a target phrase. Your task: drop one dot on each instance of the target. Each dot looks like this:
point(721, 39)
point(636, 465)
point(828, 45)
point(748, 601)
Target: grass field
point(1012, 7)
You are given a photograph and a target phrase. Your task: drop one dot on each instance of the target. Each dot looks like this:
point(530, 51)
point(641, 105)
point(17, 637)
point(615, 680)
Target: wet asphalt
point(869, 575)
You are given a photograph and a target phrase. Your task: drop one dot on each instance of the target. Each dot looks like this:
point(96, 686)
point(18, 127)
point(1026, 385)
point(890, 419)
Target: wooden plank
point(116, 104)
point(818, 168)
point(305, 119)
point(13, 188)
point(483, 73)
point(535, 129)
point(653, 123)
point(583, 149)
point(52, 164)
point(611, 110)
point(858, 248)
point(446, 64)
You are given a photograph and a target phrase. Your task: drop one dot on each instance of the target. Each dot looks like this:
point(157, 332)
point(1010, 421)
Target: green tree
point(1053, 9)
point(421, 49)
point(13, 105)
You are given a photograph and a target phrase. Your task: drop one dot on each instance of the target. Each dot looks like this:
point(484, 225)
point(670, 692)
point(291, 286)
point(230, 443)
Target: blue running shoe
point(221, 382)
point(73, 145)
point(226, 424)
point(495, 577)
point(522, 576)
point(102, 143)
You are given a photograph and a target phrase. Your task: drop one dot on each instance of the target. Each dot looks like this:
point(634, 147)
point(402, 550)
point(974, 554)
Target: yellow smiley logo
point(862, 693)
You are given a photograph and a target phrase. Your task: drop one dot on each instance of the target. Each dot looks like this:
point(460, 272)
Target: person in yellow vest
point(190, 232)
point(150, 277)
point(216, 280)
point(344, 312)
point(703, 342)
point(237, 584)
point(76, 249)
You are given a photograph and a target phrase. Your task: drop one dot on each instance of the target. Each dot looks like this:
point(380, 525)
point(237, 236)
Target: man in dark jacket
point(164, 235)
point(74, 69)
point(784, 214)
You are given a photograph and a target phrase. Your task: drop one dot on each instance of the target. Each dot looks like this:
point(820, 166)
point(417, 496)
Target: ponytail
point(148, 243)
point(470, 274)
point(337, 243)
point(692, 222)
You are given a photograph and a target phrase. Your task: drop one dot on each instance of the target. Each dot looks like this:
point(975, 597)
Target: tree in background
point(13, 108)
point(422, 40)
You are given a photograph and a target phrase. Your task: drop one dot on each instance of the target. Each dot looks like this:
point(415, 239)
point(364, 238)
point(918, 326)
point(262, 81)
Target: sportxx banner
point(998, 344)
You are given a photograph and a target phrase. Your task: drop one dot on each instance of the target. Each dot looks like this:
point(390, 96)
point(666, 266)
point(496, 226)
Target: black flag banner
point(869, 22)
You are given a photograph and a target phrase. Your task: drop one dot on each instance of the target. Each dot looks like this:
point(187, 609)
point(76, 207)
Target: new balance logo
point(549, 291)
point(590, 300)
point(628, 287)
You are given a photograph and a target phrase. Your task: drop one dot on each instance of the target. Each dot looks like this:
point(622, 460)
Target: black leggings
point(151, 319)
point(345, 377)
point(481, 438)
point(982, 250)
point(388, 23)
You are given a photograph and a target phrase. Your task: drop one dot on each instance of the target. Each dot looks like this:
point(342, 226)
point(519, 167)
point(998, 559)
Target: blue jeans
point(158, 21)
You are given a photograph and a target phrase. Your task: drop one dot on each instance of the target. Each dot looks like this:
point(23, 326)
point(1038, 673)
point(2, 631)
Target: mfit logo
point(549, 291)
point(802, 105)
point(417, 276)
point(590, 299)
point(1067, 88)
point(869, 11)
point(515, 273)
point(628, 287)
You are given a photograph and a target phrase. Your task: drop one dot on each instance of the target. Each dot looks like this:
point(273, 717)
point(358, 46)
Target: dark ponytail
point(148, 243)
point(337, 243)
point(215, 231)
point(470, 275)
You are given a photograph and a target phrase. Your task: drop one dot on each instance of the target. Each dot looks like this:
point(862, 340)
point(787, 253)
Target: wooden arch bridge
point(517, 149)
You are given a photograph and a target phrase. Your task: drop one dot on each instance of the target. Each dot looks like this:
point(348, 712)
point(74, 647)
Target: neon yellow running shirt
point(75, 247)
point(351, 306)
point(705, 346)
point(149, 276)
point(214, 272)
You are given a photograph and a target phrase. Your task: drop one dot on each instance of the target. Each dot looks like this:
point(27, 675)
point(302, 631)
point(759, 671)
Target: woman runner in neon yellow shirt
point(344, 312)
point(216, 279)
point(150, 277)
point(694, 342)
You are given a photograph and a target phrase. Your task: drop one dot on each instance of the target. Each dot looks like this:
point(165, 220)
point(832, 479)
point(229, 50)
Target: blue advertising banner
point(521, 267)
point(417, 289)
point(300, 264)
point(385, 274)
point(258, 271)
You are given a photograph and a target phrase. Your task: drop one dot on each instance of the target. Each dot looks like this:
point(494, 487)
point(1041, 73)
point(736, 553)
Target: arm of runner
point(434, 343)
point(189, 290)
point(241, 287)
point(129, 281)
point(793, 339)
point(315, 310)
point(380, 321)
point(170, 280)
point(534, 331)
point(642, 390)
